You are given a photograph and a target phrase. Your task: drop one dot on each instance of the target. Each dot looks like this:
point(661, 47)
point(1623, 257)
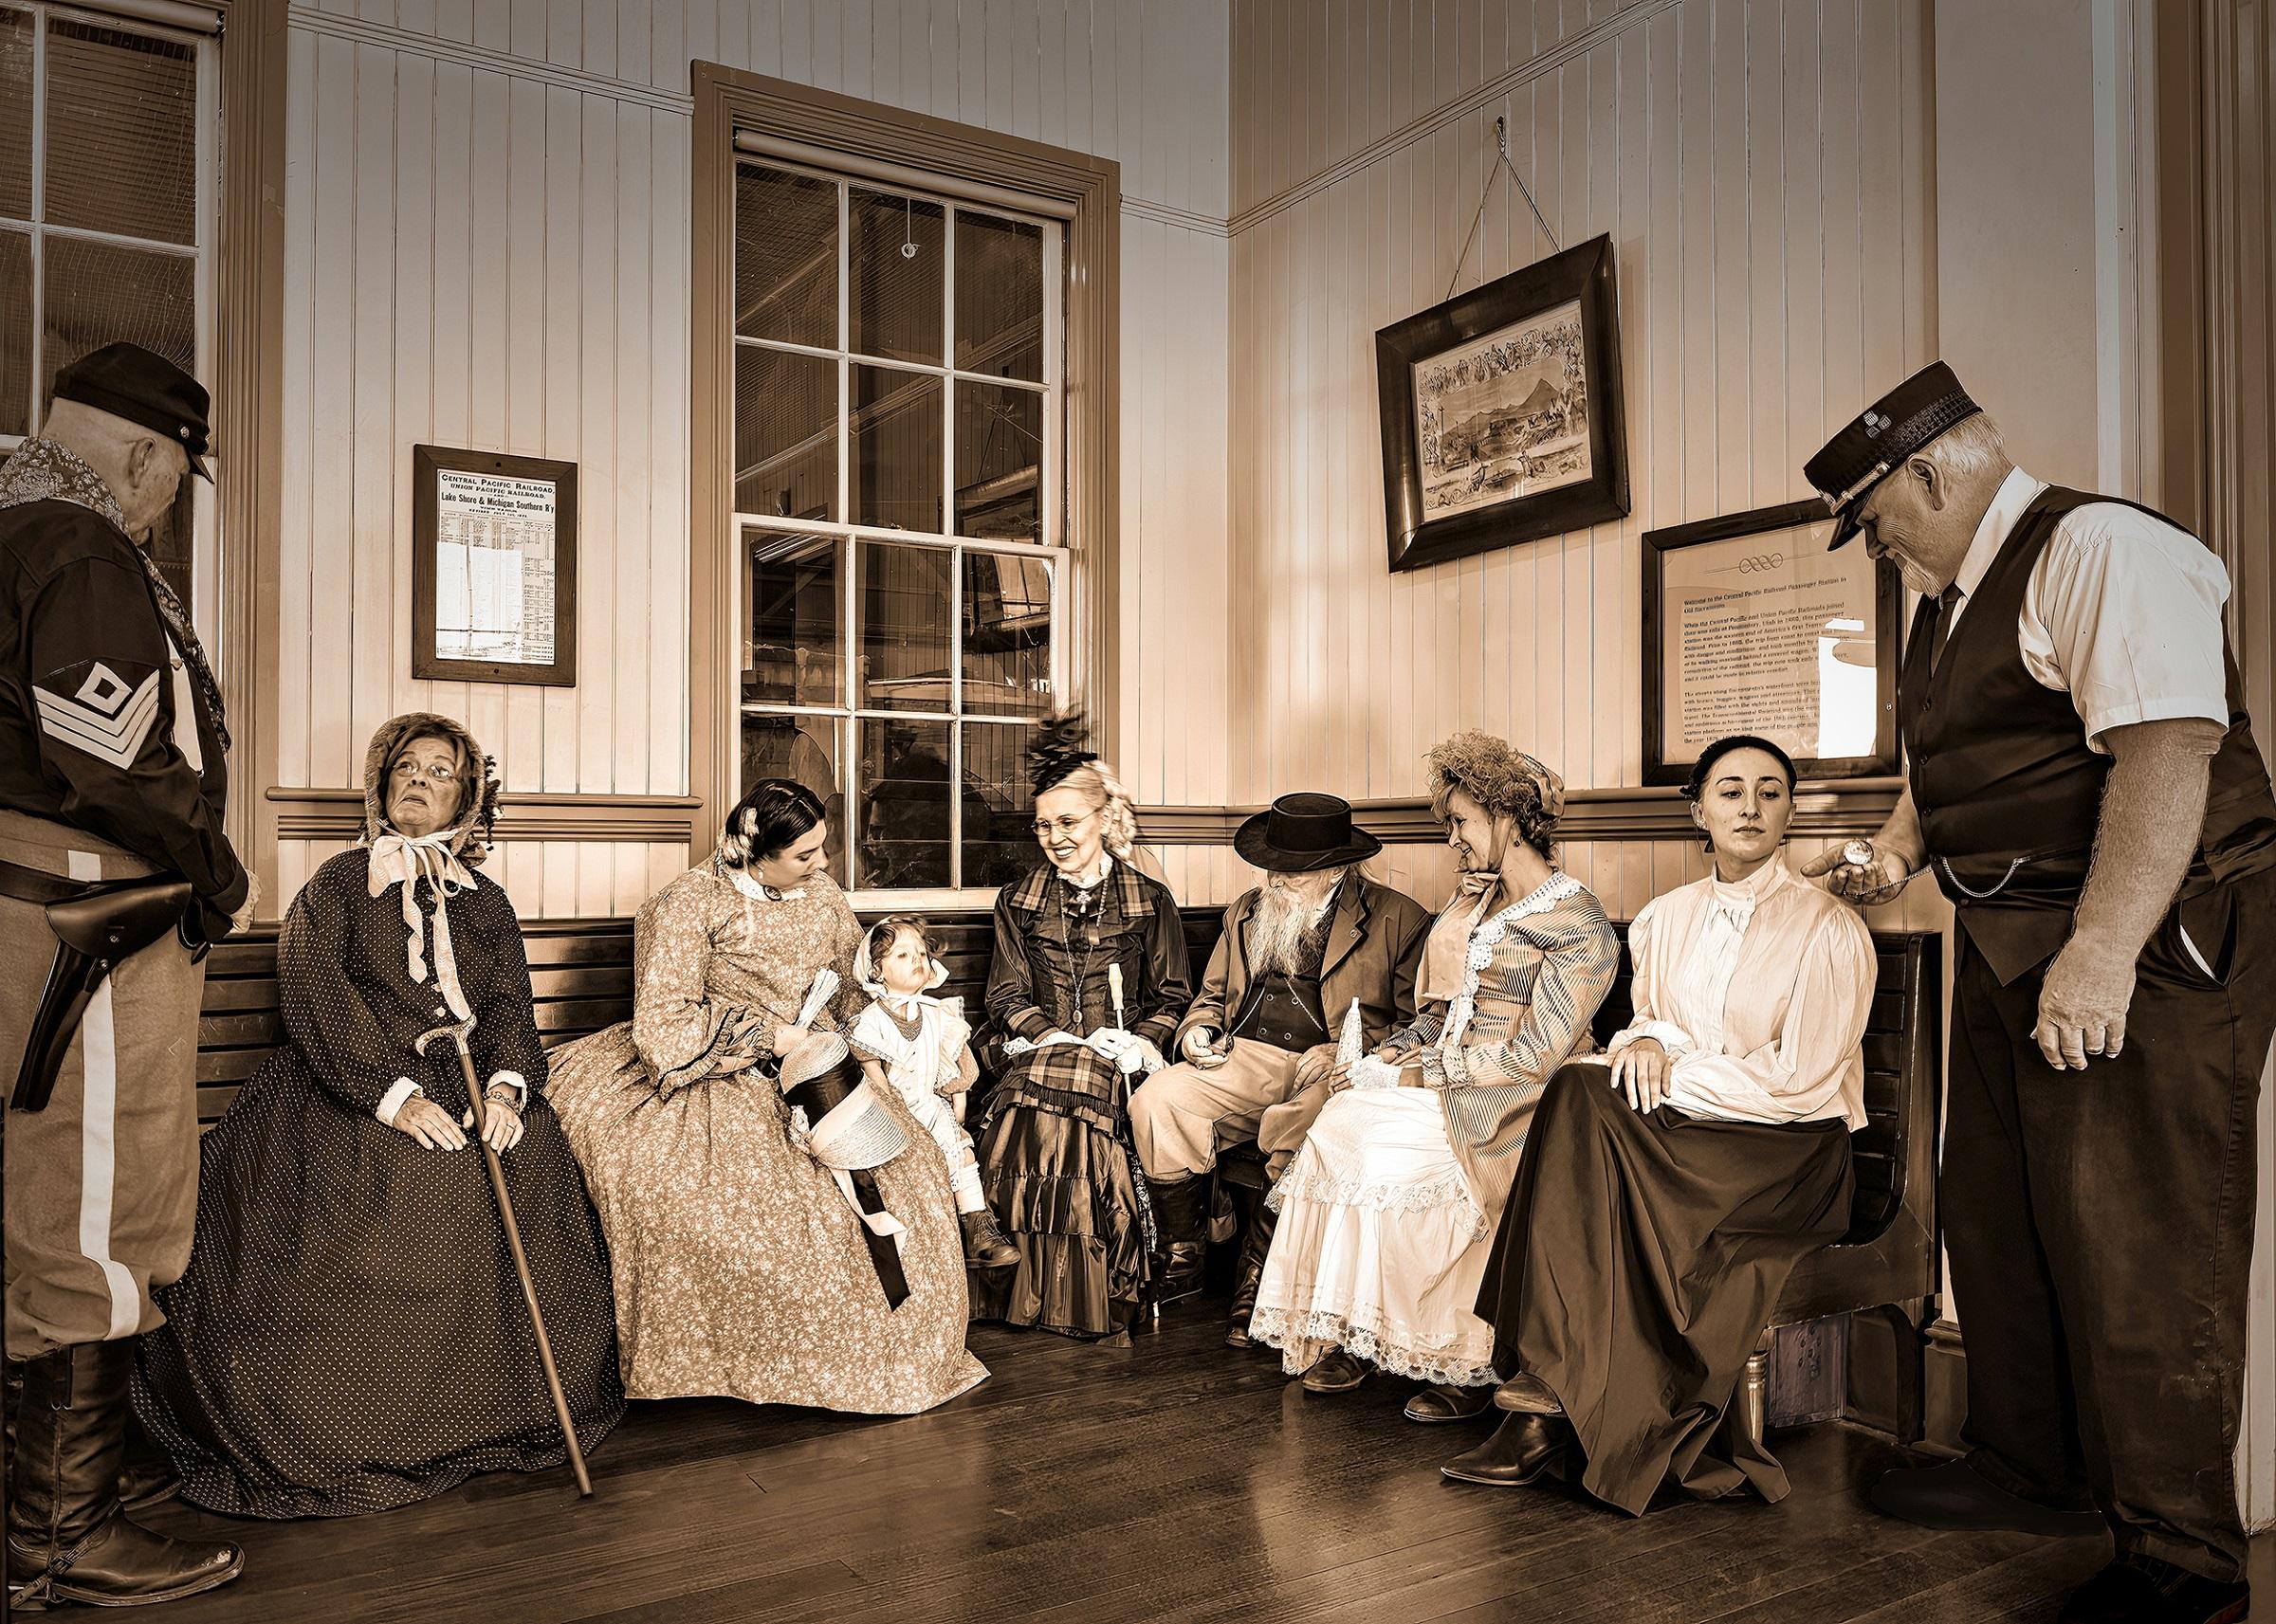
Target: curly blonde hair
point(1102, 791)
point(1500, 778)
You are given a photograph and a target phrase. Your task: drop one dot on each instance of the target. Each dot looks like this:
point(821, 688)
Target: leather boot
point(1521, 1450)
point(1181, 1214)
point(68, 1540)
point(146, 1479)
point(986, 1247)
point(1249, 1275)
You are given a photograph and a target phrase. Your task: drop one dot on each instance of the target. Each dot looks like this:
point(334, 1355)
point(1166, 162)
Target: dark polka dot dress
point(350, 1335)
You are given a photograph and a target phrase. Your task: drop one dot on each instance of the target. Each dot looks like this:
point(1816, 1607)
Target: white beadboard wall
point(486, 245)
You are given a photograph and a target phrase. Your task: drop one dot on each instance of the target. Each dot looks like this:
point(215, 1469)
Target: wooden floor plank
point(1168, 1480)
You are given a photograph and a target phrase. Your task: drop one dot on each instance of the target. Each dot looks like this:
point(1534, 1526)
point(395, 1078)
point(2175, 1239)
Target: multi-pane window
point(898, 446)
point(108, 172)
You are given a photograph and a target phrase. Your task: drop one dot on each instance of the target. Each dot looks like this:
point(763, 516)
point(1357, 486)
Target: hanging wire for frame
point(1501, 145)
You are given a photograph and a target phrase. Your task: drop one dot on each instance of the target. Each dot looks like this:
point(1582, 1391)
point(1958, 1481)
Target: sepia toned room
point(1139, 810)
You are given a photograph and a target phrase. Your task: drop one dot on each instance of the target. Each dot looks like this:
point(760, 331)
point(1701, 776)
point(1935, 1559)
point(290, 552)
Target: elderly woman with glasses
point(1089, 981)
point(1387, 1213)
point(350, 1335)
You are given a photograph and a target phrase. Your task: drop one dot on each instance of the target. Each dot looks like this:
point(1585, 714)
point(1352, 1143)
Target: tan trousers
point(1183, 1113)
point(102, 1184)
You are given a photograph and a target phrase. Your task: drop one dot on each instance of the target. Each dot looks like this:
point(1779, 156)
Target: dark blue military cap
point(128, 381)
point(1892, 428)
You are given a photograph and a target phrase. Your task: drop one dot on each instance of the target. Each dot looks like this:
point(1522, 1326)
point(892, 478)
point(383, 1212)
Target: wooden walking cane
point(457, 1034)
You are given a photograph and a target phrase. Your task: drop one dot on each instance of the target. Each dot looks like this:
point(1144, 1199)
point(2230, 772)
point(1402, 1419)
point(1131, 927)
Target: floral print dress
point(740, 1267)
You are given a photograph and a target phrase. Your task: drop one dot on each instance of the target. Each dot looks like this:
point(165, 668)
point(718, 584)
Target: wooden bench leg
point(1755, 1392)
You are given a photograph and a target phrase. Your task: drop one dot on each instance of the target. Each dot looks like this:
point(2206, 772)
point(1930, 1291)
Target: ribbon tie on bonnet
point(402, 860)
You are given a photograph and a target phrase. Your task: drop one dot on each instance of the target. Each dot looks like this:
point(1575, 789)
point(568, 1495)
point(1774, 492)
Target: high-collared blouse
point(1759, 992)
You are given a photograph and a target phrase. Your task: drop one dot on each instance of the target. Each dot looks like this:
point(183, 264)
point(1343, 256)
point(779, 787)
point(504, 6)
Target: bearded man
point(1258, 1046)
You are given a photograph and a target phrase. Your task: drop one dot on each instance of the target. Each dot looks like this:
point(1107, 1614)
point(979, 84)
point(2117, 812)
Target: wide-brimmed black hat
point(1302, 832)
point(1860, 455)
point(148, 389)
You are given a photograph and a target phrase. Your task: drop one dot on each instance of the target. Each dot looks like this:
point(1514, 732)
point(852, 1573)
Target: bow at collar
point(403, 859)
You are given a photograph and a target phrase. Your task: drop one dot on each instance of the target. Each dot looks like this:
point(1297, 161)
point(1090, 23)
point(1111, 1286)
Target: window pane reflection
point(793, 653)
point(806, 750)
point(902, 627)
point(998, 461)
point(905, 791)
point(1007, 634)
point(785, 257)
point(897, 294)
point(999, 297)
point(16, 333)
point(121, 131)
point(998, 843)
point(896, 449)
point(97, 294)
point(16, 112)
point(785, 433)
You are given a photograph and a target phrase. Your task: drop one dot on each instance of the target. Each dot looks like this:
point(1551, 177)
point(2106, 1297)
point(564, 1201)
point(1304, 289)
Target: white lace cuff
point(392, 1101)
point(1666, 1034)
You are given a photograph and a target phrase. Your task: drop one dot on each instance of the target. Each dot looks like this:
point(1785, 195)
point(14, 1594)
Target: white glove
point(1110, 1042)
point(1139, 1056)
point(1370, 1072)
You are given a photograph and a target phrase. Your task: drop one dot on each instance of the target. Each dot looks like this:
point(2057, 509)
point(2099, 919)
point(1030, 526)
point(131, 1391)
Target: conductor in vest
point(2083, 781)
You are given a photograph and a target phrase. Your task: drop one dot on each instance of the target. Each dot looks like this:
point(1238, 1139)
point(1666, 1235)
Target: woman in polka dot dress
point(350, 1335)
point(741, 1268)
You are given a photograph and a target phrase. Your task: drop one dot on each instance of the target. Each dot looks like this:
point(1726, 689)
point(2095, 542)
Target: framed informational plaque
point(1750, 625)
point(493, 568)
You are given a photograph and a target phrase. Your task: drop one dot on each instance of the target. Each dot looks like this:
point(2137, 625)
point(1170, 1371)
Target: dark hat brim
point(1845, 528)
point(1249, 842)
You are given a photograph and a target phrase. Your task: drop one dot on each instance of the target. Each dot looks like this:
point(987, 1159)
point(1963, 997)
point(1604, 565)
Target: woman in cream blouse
point(1664, 1197)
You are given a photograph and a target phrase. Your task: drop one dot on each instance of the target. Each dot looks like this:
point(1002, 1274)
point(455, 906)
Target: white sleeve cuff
point(392, 1101)
point(520, 1086)
point(1666, 1034)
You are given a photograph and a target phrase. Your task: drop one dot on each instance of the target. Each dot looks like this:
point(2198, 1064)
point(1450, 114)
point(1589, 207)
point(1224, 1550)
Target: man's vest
point(1283, 1010)
point(2009, 793)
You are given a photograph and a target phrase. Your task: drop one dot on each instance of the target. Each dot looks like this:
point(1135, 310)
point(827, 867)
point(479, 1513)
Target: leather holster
point(95, 931)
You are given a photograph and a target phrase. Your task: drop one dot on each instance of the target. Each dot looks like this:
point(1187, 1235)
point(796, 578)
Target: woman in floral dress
point(740, 1267)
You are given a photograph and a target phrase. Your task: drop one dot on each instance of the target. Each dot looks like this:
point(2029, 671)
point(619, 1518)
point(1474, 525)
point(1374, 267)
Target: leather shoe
point(1438, 1404)
point(1526, 1394)
point(1521, 1448)
point(2141, 1590)
point(1952, 1494)
point(986, 1247)
point(1335, 1370)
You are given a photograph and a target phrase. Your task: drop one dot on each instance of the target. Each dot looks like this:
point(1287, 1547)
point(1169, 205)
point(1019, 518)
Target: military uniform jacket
point(93, 686)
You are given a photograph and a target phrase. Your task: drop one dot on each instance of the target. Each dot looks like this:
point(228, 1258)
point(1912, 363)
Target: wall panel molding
point(647, 820)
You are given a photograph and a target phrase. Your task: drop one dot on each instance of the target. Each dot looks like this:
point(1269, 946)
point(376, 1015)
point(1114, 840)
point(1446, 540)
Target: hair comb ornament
point(1058, 749)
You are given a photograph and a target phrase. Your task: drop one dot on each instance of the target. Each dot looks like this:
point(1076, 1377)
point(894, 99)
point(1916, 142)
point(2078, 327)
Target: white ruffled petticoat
point(1379, 1249)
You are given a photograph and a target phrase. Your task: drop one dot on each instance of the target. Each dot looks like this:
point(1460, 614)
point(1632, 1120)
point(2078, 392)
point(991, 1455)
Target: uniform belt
point(38, 885)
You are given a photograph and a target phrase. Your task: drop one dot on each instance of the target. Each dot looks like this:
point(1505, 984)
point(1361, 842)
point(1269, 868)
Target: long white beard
point(1279, 922)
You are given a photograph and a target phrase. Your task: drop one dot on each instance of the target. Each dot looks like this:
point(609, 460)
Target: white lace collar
point(1106, 867)
point(1746, 895)
point(749, 884)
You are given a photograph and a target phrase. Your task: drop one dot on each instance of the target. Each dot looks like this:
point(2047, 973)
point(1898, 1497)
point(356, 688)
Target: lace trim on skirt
point(1447, 1191)
point(1289, 1328)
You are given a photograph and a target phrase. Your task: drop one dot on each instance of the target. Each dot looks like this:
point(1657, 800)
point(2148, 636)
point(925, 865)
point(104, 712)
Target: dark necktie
point(1947, 601)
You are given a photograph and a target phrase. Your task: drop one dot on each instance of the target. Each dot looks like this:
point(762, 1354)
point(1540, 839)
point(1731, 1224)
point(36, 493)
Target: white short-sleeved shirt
point(2123, 610)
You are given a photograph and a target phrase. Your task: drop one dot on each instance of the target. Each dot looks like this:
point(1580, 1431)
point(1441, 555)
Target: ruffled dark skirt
point(1056, 1167)
point(1638, 1261)
point(350, 1336)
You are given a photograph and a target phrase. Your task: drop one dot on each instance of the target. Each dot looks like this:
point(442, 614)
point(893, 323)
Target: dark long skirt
point(350, 1335)
point(1055, 1165)
point(1639, 1259)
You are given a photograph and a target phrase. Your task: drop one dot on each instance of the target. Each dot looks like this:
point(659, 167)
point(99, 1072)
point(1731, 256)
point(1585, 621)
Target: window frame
point(742, 115)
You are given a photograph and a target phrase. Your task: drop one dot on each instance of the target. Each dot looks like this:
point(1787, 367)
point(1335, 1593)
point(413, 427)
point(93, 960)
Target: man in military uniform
point(2082, 779)
point(1257, 1045)
point(112, 746)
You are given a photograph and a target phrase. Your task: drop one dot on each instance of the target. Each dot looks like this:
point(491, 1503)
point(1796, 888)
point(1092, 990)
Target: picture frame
point(1502, 412)
point(1752, 625)
point(493, 568)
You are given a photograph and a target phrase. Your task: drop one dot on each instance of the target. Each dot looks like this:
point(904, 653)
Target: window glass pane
point(785, 257)
point(16, 333)
point(897, 296)
point(902, 627)
point(98, 294)
point(896, 449)
point(999, 297)
point(1007, 634)
point(903, 804)
point(808, 750)
point(998, 461)
point(785, 433)
point(121, 131)
point(16, 112)
point(998, 841)
point(172, 540)
point(792, 654)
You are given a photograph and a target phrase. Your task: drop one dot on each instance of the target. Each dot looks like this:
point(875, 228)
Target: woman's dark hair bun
point(773, 814)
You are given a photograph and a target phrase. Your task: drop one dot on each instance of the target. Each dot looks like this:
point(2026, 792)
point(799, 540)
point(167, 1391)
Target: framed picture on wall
point(1501, 411)
point(1750, 625)
point(493, 568)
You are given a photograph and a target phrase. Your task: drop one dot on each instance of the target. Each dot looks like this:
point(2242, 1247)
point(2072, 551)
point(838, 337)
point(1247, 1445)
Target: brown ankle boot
point(1249, 1275)
point(986, 1247)
point(68, 1540)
